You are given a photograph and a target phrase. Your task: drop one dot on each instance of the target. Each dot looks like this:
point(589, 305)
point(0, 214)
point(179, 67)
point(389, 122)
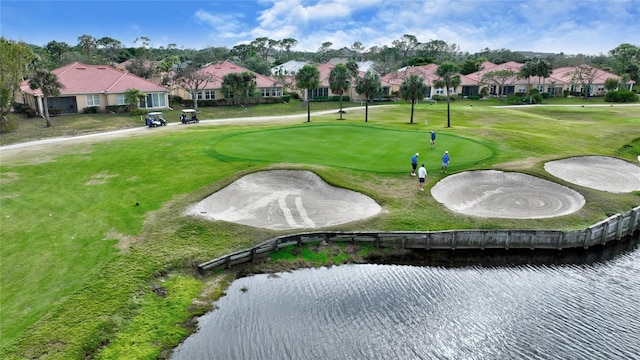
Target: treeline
point(263, 53)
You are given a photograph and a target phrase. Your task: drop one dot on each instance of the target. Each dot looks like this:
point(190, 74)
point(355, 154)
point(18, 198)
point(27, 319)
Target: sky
point(589, 27)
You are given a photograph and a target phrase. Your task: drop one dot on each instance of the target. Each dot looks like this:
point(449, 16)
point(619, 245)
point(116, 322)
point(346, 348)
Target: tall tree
point(340, 81)
point(583, 75)
point(287, 44)
point(14, 59)
point(243, 51)
point(413, 89)
point(56, 51)
point(87, 43)
point(324, 52)
point(191, 78)
point(626, 59)
point(356, 50)
point(500, 79)
point(48, 83)
point(448, 78)
point(438, 51)
point(308, 77)
point(110, 47)
point(369, 86)
point(242, 85)
point(406, 45)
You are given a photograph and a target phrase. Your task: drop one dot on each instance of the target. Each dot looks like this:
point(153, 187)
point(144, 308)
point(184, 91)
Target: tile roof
point(219, 70)
point(79, 78)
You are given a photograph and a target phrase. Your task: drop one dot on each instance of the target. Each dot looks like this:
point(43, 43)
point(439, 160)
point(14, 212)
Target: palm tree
point(449, 78)
point(48, 83)
point(339, 82)
point(413, 88)
point(132, 98)
point(369, 86)
point(308, 77)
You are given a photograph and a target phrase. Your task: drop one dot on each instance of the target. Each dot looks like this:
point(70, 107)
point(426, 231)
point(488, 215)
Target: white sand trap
point(597, 172)
point(285, 199)
point(511, 195)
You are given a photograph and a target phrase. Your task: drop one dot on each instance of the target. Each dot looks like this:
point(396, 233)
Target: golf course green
point(352, 146)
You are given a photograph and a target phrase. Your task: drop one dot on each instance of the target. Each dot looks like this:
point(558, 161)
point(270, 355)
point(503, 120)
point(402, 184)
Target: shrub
point(175, 99)
point(54, 111)
point(621, 96)
point(138, 111)
point(473, 97)
point(515, 100)
point(8, 126)
point(286, 98)
point(91, 110)
point(116, 108)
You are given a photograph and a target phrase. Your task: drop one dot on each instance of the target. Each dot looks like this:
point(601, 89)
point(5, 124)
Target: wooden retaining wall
point(613, 228)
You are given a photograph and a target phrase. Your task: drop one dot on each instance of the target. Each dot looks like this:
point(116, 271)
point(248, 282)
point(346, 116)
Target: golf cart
point(188, 116)
point(155, 119)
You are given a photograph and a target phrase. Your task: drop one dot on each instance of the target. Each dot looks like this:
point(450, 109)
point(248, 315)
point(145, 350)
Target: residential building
point(211, 89)
point(97, 86)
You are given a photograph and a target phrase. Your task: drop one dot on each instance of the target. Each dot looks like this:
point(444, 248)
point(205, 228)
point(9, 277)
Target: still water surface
point(583, 310)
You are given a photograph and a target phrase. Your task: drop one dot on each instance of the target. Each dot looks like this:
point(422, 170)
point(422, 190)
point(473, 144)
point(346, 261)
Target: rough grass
point(79, 257)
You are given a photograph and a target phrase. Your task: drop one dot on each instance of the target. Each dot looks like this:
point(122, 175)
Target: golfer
point(414, 164)
point(422, 176)
point(433, 139)
point(445, 161)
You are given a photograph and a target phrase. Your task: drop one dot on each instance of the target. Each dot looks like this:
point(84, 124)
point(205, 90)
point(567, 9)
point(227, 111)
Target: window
point(156, 100)
point(229, 95)
point(522, 89)
point(209, 94)
point(541, 88)
point(439, 91)
point(274, 91)
point(199, 95)
point(319, 92)
point(121, 99)
point(93, 100)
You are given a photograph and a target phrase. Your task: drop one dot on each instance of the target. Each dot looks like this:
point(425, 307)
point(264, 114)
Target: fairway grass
point(88, 228)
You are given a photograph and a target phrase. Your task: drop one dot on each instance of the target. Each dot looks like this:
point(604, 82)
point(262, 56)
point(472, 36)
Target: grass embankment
point(80, 259)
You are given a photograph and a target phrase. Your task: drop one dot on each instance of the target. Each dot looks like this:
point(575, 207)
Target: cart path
point(120, 133)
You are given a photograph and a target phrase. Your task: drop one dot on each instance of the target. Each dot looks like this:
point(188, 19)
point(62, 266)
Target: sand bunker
point(510, 195)
point(597, 172)
point(285, 199)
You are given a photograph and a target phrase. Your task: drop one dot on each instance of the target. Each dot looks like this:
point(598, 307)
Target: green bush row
point(621, 96)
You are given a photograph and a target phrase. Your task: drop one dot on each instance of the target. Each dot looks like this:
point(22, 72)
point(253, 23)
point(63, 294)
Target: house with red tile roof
point(212, 89)
point(324, 90)
point(86, 86)
point(558, 81)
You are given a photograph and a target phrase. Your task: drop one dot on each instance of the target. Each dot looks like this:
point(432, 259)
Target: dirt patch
point(124, 241)
point(99, 179)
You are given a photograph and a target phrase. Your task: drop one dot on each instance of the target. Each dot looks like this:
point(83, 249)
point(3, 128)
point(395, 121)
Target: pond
point(564, 306)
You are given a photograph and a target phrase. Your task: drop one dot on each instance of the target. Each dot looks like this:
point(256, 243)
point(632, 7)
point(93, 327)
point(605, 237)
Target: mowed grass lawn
point(88, 228)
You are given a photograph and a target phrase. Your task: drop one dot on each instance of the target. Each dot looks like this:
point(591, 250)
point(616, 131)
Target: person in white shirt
point(422, 177)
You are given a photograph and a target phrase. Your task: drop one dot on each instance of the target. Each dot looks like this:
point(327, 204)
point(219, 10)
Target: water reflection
point(582, 310)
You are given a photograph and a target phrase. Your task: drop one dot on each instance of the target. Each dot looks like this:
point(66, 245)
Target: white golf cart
point(155, 119)
point(188, 116)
